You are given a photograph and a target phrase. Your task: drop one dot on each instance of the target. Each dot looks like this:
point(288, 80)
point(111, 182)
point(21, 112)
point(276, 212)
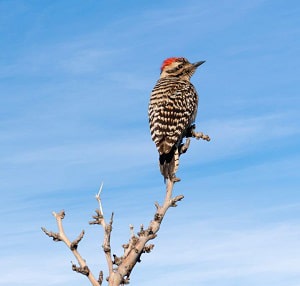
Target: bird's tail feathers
point(168, 163)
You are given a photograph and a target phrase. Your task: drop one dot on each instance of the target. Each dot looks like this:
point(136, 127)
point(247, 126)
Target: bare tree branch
point(61, 236)
point(200, 135)
point(137, 245)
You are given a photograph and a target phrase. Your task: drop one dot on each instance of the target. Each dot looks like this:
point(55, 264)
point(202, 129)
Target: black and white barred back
point(172, 109)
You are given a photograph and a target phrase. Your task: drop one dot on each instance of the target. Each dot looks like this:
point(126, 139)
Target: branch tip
point(54, 235)
point(75, 243)
point(98, 198)
point(59, 215)
point(111, 218)
point(175, 200)
point(157, 205)
point(131, 227)
point(200, 135)
point(100, 278)
point(97, 218)
point(83, 270)
point(148, 248)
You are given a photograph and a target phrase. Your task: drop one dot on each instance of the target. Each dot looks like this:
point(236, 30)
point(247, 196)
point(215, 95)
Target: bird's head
point(179, 67)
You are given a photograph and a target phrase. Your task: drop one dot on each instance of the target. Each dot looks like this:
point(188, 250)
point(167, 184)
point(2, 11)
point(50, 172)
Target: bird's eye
point(180, 66)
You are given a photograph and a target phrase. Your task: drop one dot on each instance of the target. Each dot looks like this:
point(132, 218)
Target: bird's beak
point(197, 64)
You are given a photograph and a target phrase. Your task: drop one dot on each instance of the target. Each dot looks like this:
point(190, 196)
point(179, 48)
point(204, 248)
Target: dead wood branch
point(137, 245)
point(61, 236)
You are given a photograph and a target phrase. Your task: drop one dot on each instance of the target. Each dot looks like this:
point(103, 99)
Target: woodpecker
point(172, 112)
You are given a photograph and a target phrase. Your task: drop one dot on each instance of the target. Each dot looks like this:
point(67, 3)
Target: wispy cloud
point(259, 253)
point(239, 135)
point(222, 251)
point(63, 58)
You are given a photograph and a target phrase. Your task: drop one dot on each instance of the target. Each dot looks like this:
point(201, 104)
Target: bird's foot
point(174, 179)
point(184, 147)
point(190, 130)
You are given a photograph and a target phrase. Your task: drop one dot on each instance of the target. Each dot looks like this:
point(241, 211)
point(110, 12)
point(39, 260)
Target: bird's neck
point(167, 76)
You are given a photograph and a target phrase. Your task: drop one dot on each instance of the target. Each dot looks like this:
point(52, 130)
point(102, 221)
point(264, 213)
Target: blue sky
point(75, 81)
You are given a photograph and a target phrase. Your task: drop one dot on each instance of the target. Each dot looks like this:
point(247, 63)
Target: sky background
point(75, 81)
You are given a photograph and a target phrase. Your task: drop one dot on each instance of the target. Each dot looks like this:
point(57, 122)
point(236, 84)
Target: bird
point(172, 111)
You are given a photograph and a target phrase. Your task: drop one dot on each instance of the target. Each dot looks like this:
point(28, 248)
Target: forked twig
point(61, 236)
point(137, 245)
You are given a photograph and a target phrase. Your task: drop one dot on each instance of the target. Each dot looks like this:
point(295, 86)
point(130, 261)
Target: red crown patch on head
point(168, 62)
